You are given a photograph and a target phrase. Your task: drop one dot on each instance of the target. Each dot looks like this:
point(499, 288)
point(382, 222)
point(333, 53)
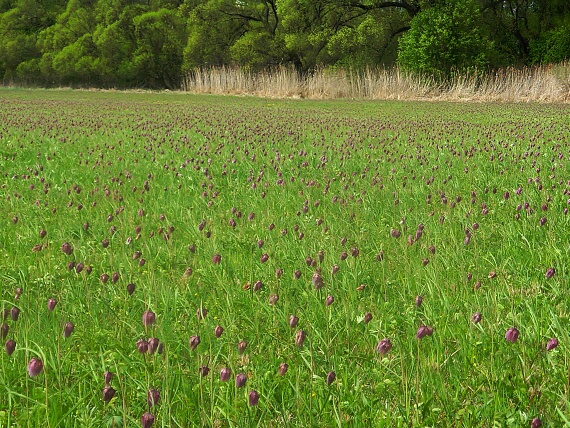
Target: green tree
point(160, 38)
point(445, 37)
point(552, 46)
point(116, 43)
point(224, 32)
point(19, 28)
point(69, 55)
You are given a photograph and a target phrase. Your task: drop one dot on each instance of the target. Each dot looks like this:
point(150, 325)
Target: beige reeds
point(549, 83)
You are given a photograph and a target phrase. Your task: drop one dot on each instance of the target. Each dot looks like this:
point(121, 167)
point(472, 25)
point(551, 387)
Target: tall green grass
point(353, 170)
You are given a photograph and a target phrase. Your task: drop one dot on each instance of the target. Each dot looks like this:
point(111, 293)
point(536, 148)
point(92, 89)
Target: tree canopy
point(152, 43)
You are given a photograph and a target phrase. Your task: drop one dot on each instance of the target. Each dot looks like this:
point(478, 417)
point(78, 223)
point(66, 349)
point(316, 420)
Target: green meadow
point(306, 263)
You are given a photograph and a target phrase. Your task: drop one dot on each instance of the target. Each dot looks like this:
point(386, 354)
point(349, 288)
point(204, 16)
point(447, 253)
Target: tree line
point(152, 43)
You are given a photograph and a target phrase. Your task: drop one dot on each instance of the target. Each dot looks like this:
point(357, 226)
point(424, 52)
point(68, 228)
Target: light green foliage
point(106, 37)
point(444, 38)
point(210, 36)
point(225, 32)
point(116, 43)
point(158, 55)
point(553, 46)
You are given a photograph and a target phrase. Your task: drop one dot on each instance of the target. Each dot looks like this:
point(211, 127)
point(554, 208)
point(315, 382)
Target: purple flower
point(194, 342)
point(331, 376)
point(152, 397)
point(4, 328)
point(14, 313)
point(384, 346)
point(550, 272)
point(419, 300)
point(35, 367)
point(241, 346)
point(329, 300)
point(536, 423)
point(68, 329)
point(130, 288)
point(204, 370)
point(66, 248)
point(108, 393)
point(253, 398)
point(153, 345)
point(317, 281)
point(424, 331)
point(201, 313)
point(51, 304)
point(282, 370)
point(142, 346)
point(476, 317)
point(108, 376)
point(10, 346)
point(147, 420)
point(293, 321)
point(218, 331)
point(216, 259)
point(240, 380)
point(395, 233)
point(300, 338)
point(225, 374)
point(552, 343)
point(367, 317)
point(512, 335)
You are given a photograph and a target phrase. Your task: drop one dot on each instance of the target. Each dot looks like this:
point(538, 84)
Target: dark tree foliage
point(152, 43)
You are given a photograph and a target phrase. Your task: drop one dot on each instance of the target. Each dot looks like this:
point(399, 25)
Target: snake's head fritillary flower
point(241, 380)
point(300, 337)
point(384, 346)
point(148, 318)
point(108, 393)
point(194, 342)
point(424, 331)
point(147, 420)
point(253, 398)
point(35, 367)
point(552, 343)
point(68, 329)
point(476, 317)
point(512, 335)
point(218, 331)
point(152, 397)
point(282, 370)
point(225, 374)
point(10, 346)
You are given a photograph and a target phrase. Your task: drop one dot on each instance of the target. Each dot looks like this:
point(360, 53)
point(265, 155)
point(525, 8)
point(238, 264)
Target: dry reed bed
point(542, 83)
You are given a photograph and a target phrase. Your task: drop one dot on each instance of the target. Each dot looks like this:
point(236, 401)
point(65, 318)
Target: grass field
point(265, 235)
